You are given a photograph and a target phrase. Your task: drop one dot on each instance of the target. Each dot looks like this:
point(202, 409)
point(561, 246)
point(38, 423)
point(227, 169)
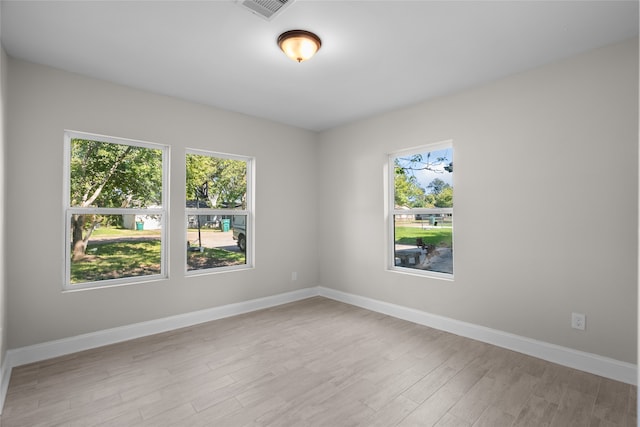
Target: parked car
point(239, 226)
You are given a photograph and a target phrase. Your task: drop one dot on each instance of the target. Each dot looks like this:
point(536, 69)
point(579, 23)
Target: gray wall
point(3, 282)
point(43, 102)
point(546, 195)
point(546, 201)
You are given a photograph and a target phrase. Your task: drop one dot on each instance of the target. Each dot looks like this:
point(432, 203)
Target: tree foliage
point(443, 199)
point(221, 182)
point(418, 162)
point(437, 185)
point(407, 189)
point(114, 175)
point(109, 175)
point(409, 192)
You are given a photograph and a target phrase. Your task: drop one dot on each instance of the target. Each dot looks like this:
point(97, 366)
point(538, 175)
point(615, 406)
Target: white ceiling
point(376, 56)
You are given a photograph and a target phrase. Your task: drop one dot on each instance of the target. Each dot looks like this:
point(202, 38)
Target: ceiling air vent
point(266, 9)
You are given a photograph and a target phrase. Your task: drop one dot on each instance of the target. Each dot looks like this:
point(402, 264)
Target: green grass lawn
point(118, 259)
point(438, 236)
point(113, 260)
point(214, 257)
point(122, 232)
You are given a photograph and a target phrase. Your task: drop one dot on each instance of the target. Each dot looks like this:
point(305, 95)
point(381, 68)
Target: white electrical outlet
point(294, 276)
point(578, 321)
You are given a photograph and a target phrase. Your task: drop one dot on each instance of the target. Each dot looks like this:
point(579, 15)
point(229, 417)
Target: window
point(218, 211)
point(421, 210)
point(115, 210)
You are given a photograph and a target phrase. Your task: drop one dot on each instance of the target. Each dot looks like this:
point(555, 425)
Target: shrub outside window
point(421, 210)
point(218, 211)
point(114, 210)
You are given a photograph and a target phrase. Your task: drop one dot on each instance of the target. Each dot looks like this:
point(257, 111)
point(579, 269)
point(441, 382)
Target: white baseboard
point(47, 350)
point(588, 362)
point(51, 349)
point(5, 376)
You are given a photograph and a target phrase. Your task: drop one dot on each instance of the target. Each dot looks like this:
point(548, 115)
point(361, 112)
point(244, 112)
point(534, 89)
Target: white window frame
point(248, 212)
point(69, 211)
point(391, 209)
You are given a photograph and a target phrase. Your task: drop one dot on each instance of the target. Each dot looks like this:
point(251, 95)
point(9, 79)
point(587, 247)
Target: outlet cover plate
point(578, 321)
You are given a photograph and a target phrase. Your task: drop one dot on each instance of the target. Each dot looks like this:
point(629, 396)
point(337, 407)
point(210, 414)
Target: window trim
point(249, 212)
point(68, 210)
point(392, 211)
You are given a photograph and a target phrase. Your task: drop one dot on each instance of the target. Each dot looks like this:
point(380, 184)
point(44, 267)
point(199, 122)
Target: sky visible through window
point(425, 176)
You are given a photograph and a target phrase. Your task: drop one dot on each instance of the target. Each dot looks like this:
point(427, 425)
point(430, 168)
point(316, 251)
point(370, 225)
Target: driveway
point(214, 239)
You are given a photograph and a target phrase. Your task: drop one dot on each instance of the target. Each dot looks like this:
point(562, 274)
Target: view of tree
point(437, 185)
point(441, 195)
point(110, 175)
point(408, 190)
point(221, 182)
point(444, 199)
point(418, 162)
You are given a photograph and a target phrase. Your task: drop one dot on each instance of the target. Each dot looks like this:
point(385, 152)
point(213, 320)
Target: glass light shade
point(299, 45)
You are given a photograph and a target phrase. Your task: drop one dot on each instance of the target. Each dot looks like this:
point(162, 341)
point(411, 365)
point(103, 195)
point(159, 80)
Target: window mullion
point(116, 211)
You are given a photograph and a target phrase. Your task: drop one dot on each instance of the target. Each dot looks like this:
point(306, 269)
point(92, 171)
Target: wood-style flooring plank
point(315, 362)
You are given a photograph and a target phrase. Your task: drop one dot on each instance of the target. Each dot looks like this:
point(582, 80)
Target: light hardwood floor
point(315, 362)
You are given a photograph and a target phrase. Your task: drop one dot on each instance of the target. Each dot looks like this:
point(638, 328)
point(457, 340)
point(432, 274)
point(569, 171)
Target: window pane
point(110, 175)
point(216, 183)
point(422, 210)
point(217, 210)
point(424, 180)
point(424, 242)
point(216, 241)
point(118, 246)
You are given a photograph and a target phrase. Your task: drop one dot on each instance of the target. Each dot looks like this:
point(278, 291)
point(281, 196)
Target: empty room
point(242, 213)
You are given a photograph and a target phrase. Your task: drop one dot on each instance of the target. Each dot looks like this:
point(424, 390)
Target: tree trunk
point(77, 243)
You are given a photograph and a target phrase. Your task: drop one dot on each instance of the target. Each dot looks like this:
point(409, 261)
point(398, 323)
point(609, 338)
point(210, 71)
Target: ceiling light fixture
point(299, 45)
